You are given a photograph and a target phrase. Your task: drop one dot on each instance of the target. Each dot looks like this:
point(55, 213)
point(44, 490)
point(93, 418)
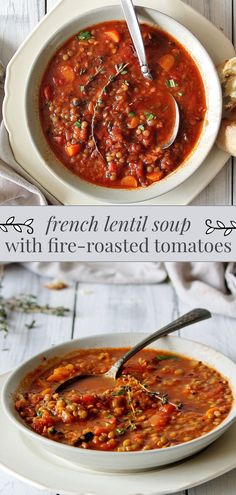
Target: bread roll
point(227, 136)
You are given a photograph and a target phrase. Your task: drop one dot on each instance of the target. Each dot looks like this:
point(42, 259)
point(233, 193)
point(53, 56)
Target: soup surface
point(160, 400)
point(107, 123)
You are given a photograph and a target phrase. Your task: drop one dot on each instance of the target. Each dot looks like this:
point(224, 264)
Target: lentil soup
point(160, 400)
point(105, 122)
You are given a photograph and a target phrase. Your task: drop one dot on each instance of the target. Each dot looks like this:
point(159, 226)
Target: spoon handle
point(134, 29)
point(187, 319)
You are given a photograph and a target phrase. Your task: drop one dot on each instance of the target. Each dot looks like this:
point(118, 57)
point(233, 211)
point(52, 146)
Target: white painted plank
point(225, 485)
point(125, 308)
point(21, 343)
point(220, 12)
point(17, 19)
point(50, 4)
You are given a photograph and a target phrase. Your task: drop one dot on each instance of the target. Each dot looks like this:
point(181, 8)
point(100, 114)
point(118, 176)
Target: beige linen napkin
point(15, 189)
point(209, 285)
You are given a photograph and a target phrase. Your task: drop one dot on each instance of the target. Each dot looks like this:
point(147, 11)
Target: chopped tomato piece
point(67, 73)
point(113, 35)
point(88, 399)
point(59, 139)
point(168, 408)
point(129, 181)
point(73, 149)
point(102, 429)
point(58, 81)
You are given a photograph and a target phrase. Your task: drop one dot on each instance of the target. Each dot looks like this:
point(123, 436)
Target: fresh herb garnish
point(30, 325)
point(84, 35)
point(141, 127)
point(90, 79)
point(78, 123)
point(164, 357)
point(170, 83)
point(131, 114)
point(26, 304)
point(121, 431)
point(52, 430)
point(122, 391)
point(150, 116)
point(163, 398)
point(120, 69)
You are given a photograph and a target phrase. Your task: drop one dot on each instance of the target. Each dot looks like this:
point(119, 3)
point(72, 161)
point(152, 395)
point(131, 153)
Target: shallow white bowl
point(123, 461)
point(211, 124)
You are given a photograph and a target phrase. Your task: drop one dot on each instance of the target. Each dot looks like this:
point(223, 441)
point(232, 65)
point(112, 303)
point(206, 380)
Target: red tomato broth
point(107, 125)
point(192, 400)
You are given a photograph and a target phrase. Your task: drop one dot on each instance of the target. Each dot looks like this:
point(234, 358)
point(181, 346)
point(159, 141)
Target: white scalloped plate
point(42, 470)
point(217, 45)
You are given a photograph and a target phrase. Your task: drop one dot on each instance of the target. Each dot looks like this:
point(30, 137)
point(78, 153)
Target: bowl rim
point(6, 400)
point(95, 191)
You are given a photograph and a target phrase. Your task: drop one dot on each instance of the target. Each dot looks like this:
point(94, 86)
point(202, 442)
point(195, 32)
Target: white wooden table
point(141, 308)
point(18, 17)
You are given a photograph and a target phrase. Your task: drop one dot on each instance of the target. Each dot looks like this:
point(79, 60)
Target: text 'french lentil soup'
point(160, 400)
point(107, 123)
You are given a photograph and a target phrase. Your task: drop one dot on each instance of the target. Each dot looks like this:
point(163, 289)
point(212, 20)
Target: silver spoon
point(87, 381)
point(136, 35)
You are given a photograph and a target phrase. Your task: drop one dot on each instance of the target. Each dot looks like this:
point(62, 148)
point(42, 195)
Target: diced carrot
point(155, 176)
point(67, 73)
point(47, 91)
point(134, 122)
point(129, 181)
point(167, 62)
point(113, 35)
point(159, 420)
point(73, 149)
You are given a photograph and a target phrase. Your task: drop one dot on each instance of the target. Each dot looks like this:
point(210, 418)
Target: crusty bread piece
point(227, 136)
point(227, 69)
point(227, 75)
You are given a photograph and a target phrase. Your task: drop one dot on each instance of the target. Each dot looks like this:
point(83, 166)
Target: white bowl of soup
point(172, 400)
point(100, 127)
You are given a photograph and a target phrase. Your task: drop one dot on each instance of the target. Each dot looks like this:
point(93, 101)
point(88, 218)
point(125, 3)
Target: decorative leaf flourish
point(17, 226)
point(228, 229)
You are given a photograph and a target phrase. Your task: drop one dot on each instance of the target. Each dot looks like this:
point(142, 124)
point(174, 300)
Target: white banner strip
point(118, 233)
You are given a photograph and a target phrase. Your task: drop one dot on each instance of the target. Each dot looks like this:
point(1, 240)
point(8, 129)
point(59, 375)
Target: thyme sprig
point(92, 77)
point(163, 398)
point(26, 304)
point(120, 69)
